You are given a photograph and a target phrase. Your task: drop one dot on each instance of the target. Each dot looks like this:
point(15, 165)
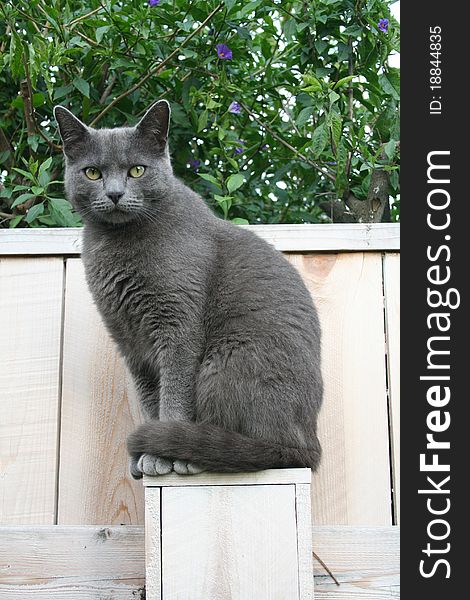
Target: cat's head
point(117, 176)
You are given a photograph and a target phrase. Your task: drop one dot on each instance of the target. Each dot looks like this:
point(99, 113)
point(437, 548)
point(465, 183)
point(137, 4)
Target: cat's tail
point(216, 449)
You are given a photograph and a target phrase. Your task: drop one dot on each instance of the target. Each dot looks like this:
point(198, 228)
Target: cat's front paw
point(134, 469)
point(184, 467)
point(154, 465)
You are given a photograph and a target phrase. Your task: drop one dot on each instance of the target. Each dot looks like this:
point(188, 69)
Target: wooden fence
point(67, 402)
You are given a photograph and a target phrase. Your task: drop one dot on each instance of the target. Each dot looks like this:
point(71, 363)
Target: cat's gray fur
point(217, 328)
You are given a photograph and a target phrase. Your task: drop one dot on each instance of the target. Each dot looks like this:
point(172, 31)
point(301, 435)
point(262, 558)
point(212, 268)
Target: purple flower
point(240, 149)
point(235, 108)
point(383, 25)
point(153, 2)
point(195, 163)
point(264, 147)
point(224, 52)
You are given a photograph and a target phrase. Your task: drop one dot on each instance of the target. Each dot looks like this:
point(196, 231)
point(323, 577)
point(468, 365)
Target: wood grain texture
point(229, 543)
point(31, 297)
point(365, 561)
point(288, 238)
point(153, 544)
point(303, 516)
point(391, 266)
point(352, 485)
point(72, 563)
point(99, 410)
point(269, 476)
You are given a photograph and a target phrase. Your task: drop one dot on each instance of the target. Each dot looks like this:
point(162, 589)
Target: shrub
point(281, 111)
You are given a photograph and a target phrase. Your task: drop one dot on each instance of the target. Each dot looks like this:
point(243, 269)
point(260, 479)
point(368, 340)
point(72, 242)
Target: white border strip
point(330, 237)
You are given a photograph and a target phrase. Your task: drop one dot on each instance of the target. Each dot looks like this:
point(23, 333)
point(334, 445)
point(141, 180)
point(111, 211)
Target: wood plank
point(31, 297)
point(99, 410)
point(392, 327)
point(303, 515)
point(365, 561)
point(229, 542)
point(269, 476)
point(72, 563)
point(352, 485)
point(153, 543)
point(288, 238)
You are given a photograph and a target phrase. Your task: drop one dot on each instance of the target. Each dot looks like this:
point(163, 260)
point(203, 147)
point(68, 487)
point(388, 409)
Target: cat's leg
point(177, 396)
point(148, 390)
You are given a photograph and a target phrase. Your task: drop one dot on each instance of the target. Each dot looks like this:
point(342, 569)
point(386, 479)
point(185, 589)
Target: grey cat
point(216, 327)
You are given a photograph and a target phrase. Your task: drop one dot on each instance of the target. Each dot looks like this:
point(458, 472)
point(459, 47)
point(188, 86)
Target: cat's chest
point(126, 288)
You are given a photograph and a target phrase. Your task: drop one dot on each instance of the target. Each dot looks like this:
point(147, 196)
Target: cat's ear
point(155, 124)
point(72, 131)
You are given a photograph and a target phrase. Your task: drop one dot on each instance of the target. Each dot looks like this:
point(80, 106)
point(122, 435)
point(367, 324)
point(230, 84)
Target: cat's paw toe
point(194, 469)
point(154, 465)
point(183, 467)
point(134, 469)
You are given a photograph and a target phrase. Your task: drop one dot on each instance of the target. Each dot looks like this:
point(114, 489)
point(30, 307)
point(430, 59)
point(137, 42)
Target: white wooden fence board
point(288, 238)
point(392, 322)
point(31, 297)
point(269, 476)
point(365, 561)
point(352, 485)
point(99, 410)
point(229, 542)
point(72, 563)
point(153, 542)
point(303, 515)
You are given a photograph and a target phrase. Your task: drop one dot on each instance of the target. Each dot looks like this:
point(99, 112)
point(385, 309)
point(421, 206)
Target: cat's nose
point(115, 196)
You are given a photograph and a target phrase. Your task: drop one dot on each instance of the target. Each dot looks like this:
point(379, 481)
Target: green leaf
point(34, 212)
point(22, 199)
point(343, 81)
point(14, 222)
point(210, 178)
point(290, 28)
point(341, 181)
point(313, 85)
point(61, 211)
point(333, 96)
point(33, 167)
point(225, 202)
point(336, 126)
point(234, 182)
point(45, 165)
point(100, 31)
point(240, 221)
point(24, 173)
point(319, 139)
point(303, 116)
point(202, 121)
point(388, 87)
point(82, 86)
point(389, 148)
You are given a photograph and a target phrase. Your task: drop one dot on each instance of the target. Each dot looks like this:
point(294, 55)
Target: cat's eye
point(136, 171)
point(93, 173)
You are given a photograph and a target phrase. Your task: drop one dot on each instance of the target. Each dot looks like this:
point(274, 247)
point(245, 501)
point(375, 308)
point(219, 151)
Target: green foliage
point(318, 103)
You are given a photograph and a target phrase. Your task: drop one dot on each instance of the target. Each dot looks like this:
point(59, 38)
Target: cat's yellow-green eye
point(136, 171)
point(93, 173)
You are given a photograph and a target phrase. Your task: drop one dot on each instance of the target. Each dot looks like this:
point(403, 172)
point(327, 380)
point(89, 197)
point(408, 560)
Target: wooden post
point(229, 536)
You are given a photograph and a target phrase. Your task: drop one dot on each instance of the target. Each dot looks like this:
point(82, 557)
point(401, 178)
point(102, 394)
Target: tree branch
point(27, 95)
point(313, 164)
point(156, 68)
